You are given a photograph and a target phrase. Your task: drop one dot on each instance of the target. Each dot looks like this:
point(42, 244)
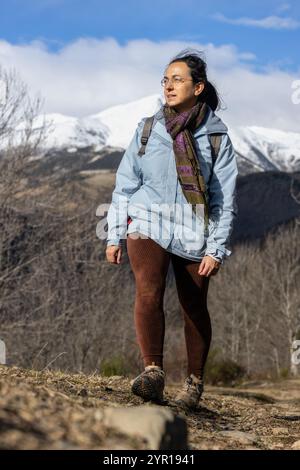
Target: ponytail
point(210, 96)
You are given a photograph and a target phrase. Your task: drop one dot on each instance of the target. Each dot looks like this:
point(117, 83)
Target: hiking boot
point(191, 393)
point(150, 384)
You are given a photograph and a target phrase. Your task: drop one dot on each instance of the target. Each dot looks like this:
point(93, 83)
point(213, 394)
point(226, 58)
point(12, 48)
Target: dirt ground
point(54, 410)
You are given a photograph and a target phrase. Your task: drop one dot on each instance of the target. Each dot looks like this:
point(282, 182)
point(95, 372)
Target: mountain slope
point(265, 202)
point(257, 148)
point(267, 149)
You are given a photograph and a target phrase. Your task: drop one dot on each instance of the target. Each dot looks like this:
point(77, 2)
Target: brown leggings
point(150, 262)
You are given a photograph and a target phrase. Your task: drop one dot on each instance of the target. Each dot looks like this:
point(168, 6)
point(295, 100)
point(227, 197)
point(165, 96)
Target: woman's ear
point(199, 88)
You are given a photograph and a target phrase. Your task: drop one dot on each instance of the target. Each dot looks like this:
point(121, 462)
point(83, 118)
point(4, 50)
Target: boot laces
point(191, 385)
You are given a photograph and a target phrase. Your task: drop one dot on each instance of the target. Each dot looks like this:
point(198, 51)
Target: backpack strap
point(215, 143)
point(215, 139)
point(146, 134)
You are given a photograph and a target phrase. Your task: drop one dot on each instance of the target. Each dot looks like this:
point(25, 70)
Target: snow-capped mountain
point(113, 127)
point(266, 148)
point(69, 133)
point(257, 148)
point(123, 119)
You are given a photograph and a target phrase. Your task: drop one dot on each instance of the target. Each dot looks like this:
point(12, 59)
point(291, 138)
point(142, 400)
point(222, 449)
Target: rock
point(280, 431)
point(160, 428)
point(277, 446)
point(296, 445)
point(242, 437)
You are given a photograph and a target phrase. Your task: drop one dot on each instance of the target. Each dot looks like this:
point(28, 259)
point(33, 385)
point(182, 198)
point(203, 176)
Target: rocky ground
point(53, 410)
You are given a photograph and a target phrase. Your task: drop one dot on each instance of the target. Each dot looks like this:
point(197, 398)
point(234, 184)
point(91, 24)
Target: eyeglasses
point(176, 81)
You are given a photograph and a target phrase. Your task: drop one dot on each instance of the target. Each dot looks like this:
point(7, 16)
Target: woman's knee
point(150, 288)
point(194, 305)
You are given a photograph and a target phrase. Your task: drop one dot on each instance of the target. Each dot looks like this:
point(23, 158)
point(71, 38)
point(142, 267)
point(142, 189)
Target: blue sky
point(84, 56)
point(60, 21)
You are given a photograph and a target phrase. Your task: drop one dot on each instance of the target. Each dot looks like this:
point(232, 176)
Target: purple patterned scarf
point(181, 126)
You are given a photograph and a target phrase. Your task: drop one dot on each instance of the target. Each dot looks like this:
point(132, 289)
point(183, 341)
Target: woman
point(175, 172)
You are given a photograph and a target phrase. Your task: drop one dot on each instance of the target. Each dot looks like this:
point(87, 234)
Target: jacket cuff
point(217, 252)
point(116, 242)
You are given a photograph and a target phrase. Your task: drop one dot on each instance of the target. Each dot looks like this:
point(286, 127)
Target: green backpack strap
point(146, 134)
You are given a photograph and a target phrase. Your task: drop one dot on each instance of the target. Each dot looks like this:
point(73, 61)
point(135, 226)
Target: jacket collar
point(211, 124)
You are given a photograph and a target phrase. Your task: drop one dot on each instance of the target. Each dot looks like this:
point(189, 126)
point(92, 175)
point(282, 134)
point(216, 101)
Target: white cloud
point(90, 75)
point(270, 22)
point(283, 7)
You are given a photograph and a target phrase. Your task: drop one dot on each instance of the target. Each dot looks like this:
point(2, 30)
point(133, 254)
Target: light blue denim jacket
point(142, 181)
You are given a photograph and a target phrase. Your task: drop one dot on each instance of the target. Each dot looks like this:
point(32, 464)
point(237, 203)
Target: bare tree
point(23, 130)
point(282, 252)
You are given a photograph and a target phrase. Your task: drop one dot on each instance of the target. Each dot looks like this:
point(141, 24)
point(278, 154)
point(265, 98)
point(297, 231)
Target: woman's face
point(181, 95)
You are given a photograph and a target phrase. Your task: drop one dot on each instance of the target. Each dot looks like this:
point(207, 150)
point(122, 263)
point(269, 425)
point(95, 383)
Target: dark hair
point(197, 65)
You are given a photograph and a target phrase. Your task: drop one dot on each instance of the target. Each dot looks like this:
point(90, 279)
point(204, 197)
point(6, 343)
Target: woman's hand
point(114, 254)
point(208, 266)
